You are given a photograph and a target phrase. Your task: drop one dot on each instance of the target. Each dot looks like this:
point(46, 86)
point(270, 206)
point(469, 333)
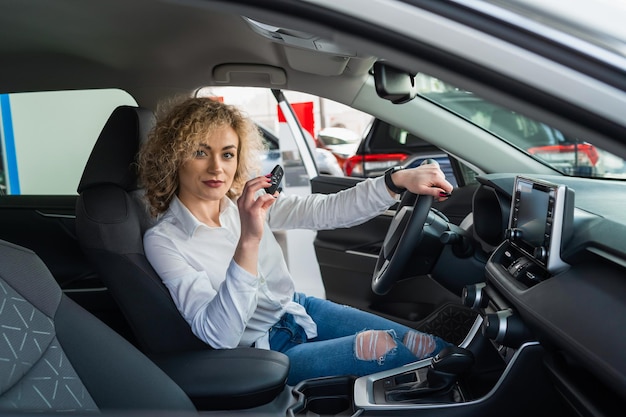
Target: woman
point(214, 249)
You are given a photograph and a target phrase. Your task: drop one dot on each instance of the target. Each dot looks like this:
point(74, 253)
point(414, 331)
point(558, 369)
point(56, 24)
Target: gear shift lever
point(442, 374)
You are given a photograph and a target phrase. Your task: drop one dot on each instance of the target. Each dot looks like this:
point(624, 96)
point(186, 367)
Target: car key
point(275, 177)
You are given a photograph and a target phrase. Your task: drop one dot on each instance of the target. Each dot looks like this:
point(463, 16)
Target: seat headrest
point(113, 157)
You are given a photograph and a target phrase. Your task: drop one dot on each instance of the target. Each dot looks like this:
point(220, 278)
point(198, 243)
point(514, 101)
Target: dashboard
point(559, 279)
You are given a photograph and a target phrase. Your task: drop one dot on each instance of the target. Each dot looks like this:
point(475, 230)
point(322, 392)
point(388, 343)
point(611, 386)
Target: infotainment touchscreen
point(541, 217)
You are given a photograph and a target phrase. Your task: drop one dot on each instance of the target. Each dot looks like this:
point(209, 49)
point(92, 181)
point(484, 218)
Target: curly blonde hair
point(177, 135)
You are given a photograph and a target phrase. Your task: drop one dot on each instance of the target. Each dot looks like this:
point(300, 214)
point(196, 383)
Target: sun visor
point(331, 60)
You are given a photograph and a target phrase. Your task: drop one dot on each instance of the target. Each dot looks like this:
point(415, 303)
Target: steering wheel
point(405, 233)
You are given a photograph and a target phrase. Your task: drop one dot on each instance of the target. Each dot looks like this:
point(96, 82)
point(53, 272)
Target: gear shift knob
point(453, 360)
point(441, 377)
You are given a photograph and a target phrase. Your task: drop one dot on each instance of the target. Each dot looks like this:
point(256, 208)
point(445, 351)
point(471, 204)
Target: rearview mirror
point(393, 84)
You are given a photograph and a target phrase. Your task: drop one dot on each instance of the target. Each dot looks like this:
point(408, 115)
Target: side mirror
point(393, 84)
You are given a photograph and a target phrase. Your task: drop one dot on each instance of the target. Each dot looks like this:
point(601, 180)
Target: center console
point(447, 385)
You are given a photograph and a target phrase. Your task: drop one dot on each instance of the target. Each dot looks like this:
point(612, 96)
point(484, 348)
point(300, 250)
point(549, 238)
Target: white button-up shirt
point(225, 305)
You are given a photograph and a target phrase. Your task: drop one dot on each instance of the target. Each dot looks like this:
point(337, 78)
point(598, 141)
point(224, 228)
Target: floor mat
point(450, 322)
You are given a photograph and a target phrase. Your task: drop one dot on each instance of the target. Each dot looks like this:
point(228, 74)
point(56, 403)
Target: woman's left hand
point(426, 179)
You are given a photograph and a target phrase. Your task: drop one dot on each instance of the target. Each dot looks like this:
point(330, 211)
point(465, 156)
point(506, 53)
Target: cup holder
point(328, 406)
point(329, 396)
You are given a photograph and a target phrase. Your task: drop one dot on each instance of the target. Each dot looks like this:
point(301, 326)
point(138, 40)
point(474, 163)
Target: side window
point(46, 137)
point(272, 155)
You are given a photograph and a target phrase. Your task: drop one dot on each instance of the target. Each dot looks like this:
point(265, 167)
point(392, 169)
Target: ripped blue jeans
point(346, 343)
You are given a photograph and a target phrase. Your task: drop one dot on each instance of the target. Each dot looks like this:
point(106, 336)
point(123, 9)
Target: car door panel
point(46, 225)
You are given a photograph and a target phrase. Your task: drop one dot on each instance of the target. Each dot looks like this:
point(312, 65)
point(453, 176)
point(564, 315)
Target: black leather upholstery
point(55, 356)
point(110, 221)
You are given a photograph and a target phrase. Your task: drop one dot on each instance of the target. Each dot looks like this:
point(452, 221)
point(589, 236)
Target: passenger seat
point(56, 356)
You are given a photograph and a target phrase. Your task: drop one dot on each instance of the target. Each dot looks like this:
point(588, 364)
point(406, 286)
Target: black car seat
point(111, 218)
point(110, 221)
point(56, 356)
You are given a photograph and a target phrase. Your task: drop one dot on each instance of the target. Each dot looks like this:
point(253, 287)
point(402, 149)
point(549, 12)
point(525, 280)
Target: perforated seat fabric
point(36, 373)
point(55, 356)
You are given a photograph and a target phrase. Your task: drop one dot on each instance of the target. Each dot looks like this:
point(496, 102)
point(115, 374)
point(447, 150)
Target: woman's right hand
point(252, 214)
point(253, 208)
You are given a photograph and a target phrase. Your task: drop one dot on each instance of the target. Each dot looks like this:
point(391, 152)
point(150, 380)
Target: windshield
point(572, 156)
